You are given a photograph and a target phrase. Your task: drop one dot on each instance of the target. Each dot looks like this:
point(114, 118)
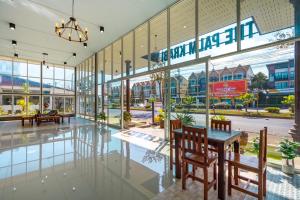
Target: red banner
point(228, 88)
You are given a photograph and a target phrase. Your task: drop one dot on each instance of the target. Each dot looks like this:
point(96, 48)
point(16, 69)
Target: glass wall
point(26, 87)
point(141, 48)
point(182, 31)
point(158, 41)
point(86, 88)
point(194, 30)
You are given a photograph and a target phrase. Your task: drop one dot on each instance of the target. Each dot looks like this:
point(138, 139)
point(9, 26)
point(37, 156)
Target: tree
point(259, 80)
point(188, 101)
point(247, 98)
point(290, 101)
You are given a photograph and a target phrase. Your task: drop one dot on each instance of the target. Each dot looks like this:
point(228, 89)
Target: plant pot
point(126, 124)
point(244, 138)
point(288, 166)
point(162, 123)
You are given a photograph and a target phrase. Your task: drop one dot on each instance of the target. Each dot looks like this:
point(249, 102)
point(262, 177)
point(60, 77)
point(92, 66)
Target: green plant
point(255, 145)
point(247, 98)
point(185, 118)
point(239, 106)
point(290, 101)
point(152, 100)
point(102, 116)
point(288, 149)
point(127, 116)
point(189, 100)
point(272, 109)
point(219, 117)
point(161, 114)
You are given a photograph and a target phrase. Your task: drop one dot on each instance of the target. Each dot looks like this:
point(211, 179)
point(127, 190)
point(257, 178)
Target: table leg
point(69, 119)
point(62, 120)
point(23, 122)
point(177, 160)
point(31, 122)
point(221, 172)
point(236, 146)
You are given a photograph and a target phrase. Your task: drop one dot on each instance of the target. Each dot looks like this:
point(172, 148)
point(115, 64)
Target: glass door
point(186, 95)
point(114, 103)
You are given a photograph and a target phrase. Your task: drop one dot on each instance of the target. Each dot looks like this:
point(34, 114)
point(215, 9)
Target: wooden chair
point(174, 124)
point(194, 147)
point(251, 164)
point(220, 125)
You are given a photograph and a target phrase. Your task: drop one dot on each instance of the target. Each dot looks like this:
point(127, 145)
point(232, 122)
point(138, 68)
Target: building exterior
point(179, 87)
point(281, 81)
point(225, 84)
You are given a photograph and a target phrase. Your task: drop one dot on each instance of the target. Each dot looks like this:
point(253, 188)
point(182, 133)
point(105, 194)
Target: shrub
point(220, 117)
point(272, 109)
point(222, 105)
point(239, 106)
point(179, 106)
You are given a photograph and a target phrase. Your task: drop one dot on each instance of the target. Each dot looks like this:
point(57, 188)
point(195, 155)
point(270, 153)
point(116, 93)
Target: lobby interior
point(134, 99)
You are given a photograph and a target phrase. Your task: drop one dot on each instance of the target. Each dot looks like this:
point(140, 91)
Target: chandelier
point(71, 30)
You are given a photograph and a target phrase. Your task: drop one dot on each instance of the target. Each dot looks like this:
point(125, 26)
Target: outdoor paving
point(279, 187)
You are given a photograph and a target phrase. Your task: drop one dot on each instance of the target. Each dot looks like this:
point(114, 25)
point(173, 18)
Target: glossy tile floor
point(79, 162)
point(86, 161)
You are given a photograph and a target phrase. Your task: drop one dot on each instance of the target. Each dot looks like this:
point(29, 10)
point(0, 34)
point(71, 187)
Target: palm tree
point(259, 81)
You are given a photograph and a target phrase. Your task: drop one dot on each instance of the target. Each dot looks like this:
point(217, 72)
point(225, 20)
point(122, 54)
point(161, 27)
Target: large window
point(23, 91)
point(86, 88)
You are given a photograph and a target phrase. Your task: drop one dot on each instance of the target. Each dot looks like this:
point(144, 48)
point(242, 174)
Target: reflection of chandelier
point(71, 30)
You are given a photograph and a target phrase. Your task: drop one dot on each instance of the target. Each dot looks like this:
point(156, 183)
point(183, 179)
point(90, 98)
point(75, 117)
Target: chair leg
point(229, 179)
point(215, 175)
point(236, 174)
point(205, 183)
point(183, 176)
point(265, 182)
point(260, 186)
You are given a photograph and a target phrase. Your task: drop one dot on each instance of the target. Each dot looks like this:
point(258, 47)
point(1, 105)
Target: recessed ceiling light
point(184, 26)
point(142, 46)
point(14, 42)
point(74, 54)
point(85, 45)
point(12, 26)
point(101, 29)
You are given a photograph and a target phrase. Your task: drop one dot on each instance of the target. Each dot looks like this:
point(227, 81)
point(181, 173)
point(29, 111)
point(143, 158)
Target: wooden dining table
point(219, 139)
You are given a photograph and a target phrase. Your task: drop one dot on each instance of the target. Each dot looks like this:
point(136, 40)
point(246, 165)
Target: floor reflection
point(84, 162)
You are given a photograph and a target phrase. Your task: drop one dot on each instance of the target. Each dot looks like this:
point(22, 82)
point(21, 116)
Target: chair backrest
point(221, 125)
point(194, 140)
point(262, 155)
point(174, 124)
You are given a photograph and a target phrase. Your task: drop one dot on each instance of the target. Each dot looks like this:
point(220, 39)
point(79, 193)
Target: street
point(279, 127)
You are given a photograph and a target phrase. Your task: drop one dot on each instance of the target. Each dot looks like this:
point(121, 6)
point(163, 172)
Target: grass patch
point(241, 113)
point(273, 155)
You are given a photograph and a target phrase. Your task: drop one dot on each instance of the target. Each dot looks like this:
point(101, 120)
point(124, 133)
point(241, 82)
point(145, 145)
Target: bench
point(47, 118)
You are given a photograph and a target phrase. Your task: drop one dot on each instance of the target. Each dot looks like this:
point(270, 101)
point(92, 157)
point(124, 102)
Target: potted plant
point(185, 118)
point(127, 119)
point(161, 115)
point(102, 117)
point(288, 150)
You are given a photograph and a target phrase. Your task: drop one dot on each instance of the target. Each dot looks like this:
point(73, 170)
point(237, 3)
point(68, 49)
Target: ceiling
point(35, 21)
